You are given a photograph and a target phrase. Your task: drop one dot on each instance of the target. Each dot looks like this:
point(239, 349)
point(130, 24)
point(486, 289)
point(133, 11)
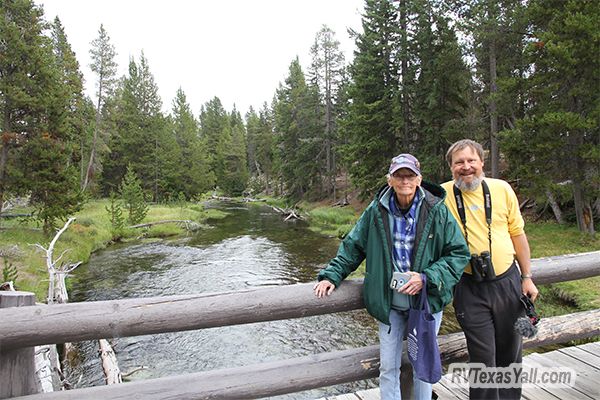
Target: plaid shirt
point(405, 229)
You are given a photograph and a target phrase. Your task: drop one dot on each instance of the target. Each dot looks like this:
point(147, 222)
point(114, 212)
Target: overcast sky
point(238, 50)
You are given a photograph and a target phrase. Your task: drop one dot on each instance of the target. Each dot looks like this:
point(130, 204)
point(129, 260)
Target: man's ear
point(389, 180)
point(419, 180)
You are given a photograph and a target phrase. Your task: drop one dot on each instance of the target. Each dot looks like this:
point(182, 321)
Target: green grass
point(90, 231)
point(329, 221)
point(550, 239)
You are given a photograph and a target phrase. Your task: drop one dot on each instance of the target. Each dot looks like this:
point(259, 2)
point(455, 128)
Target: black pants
point(487, 311)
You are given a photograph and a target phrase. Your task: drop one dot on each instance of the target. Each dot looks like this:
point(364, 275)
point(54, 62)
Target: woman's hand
point(414, 284)
point(323, 288)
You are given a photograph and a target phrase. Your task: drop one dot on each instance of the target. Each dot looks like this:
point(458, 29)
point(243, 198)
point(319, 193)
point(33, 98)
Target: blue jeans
point(390, 354)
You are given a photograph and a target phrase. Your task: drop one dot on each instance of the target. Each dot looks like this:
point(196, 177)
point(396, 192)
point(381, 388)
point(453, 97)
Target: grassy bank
point(90, 231)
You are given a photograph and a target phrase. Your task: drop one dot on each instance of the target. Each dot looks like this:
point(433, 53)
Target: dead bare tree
point(57, 294)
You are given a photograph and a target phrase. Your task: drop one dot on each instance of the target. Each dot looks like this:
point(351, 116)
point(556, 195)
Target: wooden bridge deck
point(584, 359)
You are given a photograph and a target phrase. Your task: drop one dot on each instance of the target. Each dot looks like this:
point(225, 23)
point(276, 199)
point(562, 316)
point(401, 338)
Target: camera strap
point(487, 203)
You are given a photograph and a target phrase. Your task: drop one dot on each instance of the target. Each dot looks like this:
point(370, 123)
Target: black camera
point(482, 267)
point(526, 325)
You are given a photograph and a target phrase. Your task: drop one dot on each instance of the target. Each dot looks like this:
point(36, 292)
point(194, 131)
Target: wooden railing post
point(17, 366)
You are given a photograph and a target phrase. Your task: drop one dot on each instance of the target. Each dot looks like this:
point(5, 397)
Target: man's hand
point(414, 284)
point(529, 288)
point(323, 288)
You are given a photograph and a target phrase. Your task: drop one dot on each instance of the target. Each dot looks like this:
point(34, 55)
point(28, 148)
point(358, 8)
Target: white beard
point(469, 187)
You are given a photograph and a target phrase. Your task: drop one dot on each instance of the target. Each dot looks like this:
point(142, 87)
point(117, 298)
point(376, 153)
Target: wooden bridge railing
point(34, 325)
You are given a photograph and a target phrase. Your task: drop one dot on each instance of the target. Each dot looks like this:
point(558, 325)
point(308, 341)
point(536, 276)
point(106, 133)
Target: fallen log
point(221, 198)
point(110, 366)
point(166, 221)
point(15, 215)
point(289, 213)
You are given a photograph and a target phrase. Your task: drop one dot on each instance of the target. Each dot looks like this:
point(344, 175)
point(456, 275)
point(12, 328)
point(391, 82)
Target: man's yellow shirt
point(507, 221)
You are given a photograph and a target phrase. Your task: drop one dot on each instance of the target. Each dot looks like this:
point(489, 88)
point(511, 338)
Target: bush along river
point(251, 247)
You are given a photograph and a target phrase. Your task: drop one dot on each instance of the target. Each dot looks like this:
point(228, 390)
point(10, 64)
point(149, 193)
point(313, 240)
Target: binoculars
point(482, 267)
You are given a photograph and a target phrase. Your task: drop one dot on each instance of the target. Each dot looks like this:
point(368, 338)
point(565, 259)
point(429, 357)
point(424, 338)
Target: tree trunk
point(583, 211)
point(112, 372)
point(3, 162)
point(555, 207)
point(403, 76)
point(494, 152)
point(90, 168)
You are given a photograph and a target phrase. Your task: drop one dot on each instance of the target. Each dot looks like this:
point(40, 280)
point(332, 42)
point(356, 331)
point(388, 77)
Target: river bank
point(91, 231)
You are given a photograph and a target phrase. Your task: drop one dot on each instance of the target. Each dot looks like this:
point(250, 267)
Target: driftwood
point(46, 364)
point(526, 204)
point(15, 215)
point(57, 288)
point(342, 203)
point(133, 371)
point(112, 373)
point(57, 294)
point(221, 198)
point(289, 213)
point(186, 222)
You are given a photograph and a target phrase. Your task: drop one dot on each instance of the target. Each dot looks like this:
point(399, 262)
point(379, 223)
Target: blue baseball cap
point(405, 160)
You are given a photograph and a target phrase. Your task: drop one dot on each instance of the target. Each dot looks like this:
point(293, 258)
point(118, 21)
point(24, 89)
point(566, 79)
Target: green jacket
point(439, 251)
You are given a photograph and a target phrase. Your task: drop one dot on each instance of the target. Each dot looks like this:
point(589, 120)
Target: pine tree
point(561, 127)
point(35, 106)
point(297, 121)
point(326, 74)
point(370, 125)
point(215, 129)
point(497, 30)
point(442, 91)
point(115, 213)
point(261, 149)
point(133, 197)
point(103, 64)
point(52, 180)
point(252, 132)
point(235, 178)
point(24, 83)
point(194, 176)
point(142, 138)
point(236, 174)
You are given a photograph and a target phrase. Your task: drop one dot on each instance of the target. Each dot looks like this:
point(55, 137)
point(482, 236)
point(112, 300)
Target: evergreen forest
point(522, 77)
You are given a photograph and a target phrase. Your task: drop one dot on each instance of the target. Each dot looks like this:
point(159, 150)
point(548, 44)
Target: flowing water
point(252, 247)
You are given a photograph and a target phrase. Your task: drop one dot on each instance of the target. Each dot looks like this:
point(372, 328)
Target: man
point(487, 298)
point(406, 228)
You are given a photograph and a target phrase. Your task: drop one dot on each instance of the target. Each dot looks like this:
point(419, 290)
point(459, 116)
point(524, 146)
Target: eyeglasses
point(402, 177)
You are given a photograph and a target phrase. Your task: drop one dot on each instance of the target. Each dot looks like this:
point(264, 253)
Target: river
point(251, 247)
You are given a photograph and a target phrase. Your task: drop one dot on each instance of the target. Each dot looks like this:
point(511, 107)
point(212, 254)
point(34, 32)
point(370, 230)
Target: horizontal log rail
point(309, 372)
point(73, 322)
